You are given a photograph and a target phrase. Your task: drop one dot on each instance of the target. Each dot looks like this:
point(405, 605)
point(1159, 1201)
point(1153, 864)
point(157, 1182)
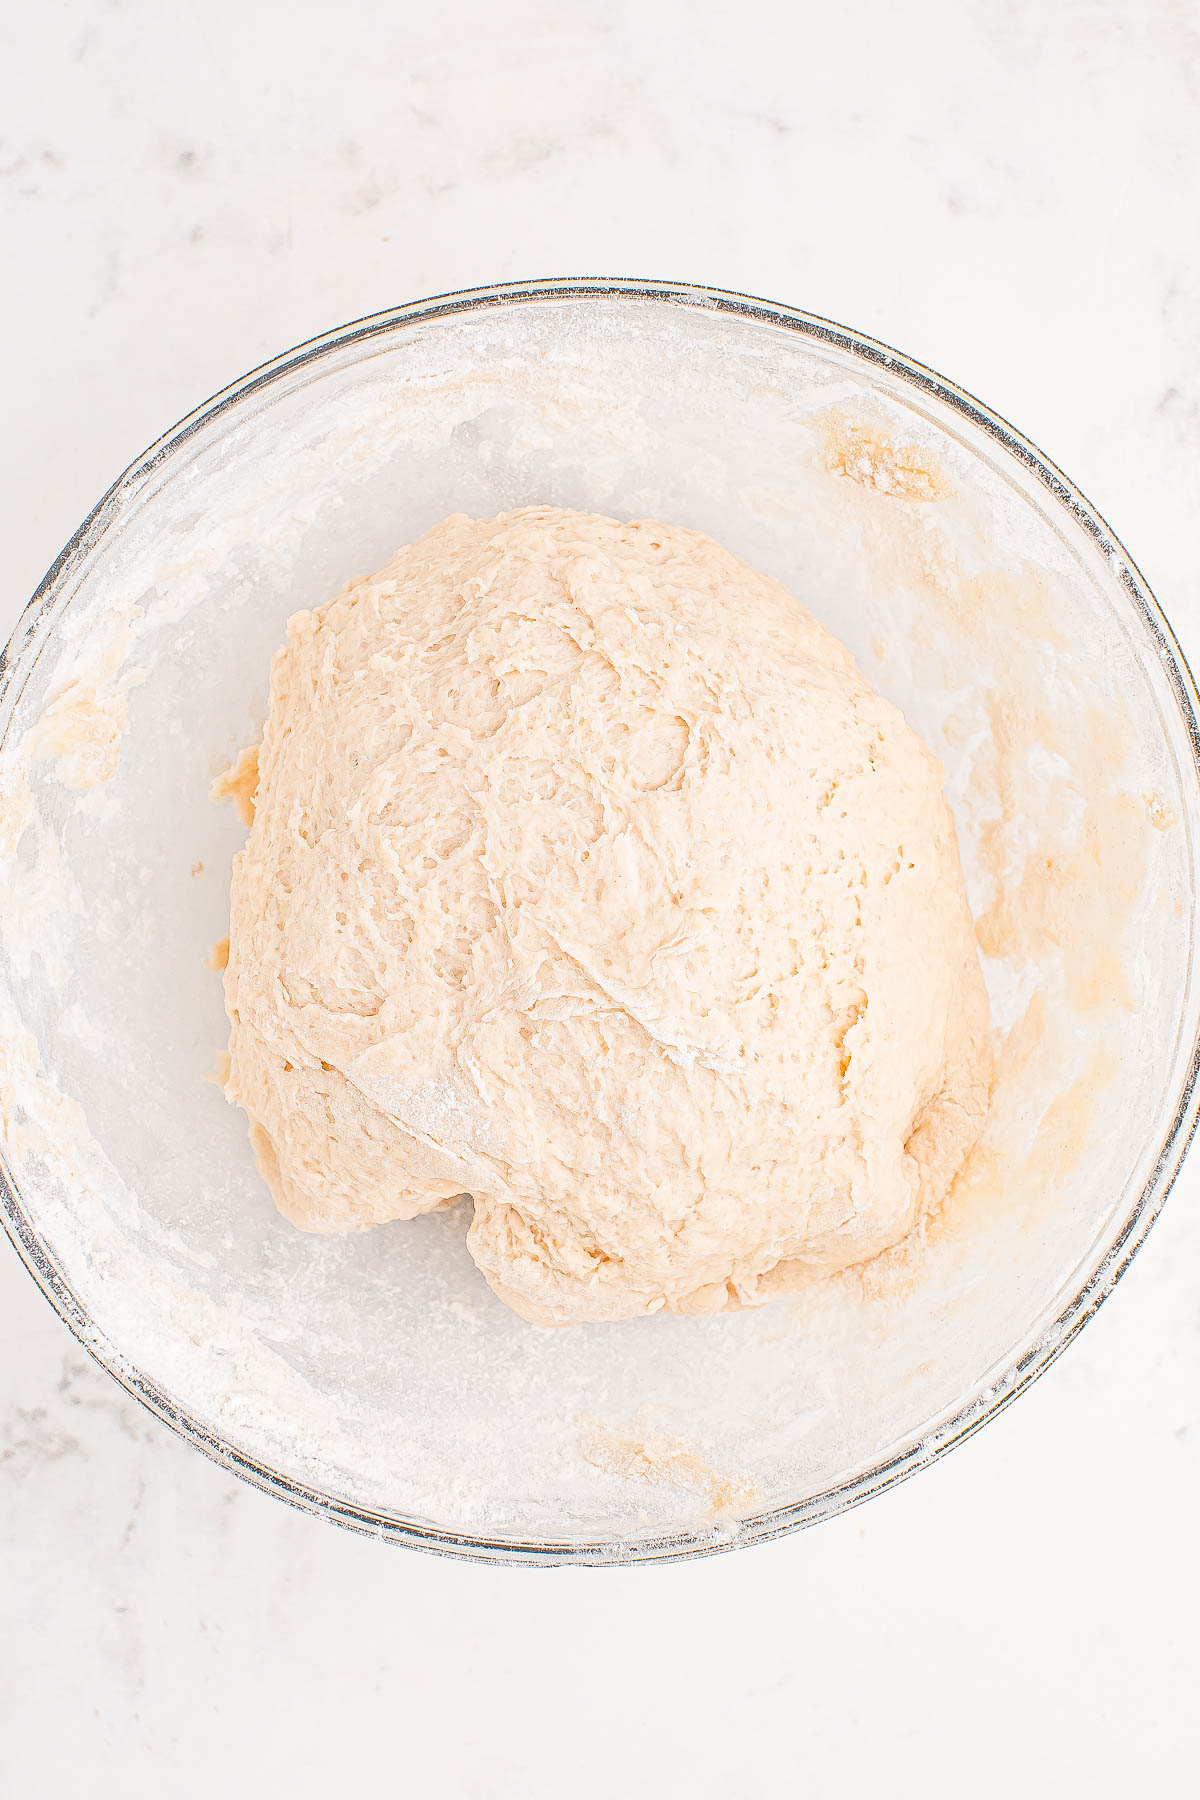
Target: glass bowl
point(374, 1379)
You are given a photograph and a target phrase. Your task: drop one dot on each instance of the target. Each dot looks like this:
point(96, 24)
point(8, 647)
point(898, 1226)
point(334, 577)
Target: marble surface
point(1006, 191)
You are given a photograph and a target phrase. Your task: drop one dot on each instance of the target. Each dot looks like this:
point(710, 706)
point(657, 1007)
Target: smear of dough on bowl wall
point(376, 1368)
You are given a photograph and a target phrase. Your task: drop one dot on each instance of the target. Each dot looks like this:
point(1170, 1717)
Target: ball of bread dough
point(590, 879)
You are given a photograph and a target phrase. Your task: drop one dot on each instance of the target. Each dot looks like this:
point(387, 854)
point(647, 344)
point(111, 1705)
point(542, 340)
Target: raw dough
point(589, 877)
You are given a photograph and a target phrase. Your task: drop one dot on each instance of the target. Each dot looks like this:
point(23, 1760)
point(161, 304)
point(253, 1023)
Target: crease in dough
point(588, 877)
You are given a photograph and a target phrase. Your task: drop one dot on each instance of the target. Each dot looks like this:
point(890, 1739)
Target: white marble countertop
point(1008, 192)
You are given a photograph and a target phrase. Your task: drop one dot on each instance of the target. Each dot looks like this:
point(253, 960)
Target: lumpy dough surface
point(589, 878)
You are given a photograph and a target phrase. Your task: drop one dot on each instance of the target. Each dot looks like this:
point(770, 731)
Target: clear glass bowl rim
point(27, 641)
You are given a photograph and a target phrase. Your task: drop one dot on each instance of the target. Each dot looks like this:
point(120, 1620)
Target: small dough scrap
point(239, 783)
point(589, 878)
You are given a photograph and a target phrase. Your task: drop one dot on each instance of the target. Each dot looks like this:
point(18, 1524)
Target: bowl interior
point(377, 1374)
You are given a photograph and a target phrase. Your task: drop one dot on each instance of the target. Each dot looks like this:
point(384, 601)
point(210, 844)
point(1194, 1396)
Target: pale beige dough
point(589, 877)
